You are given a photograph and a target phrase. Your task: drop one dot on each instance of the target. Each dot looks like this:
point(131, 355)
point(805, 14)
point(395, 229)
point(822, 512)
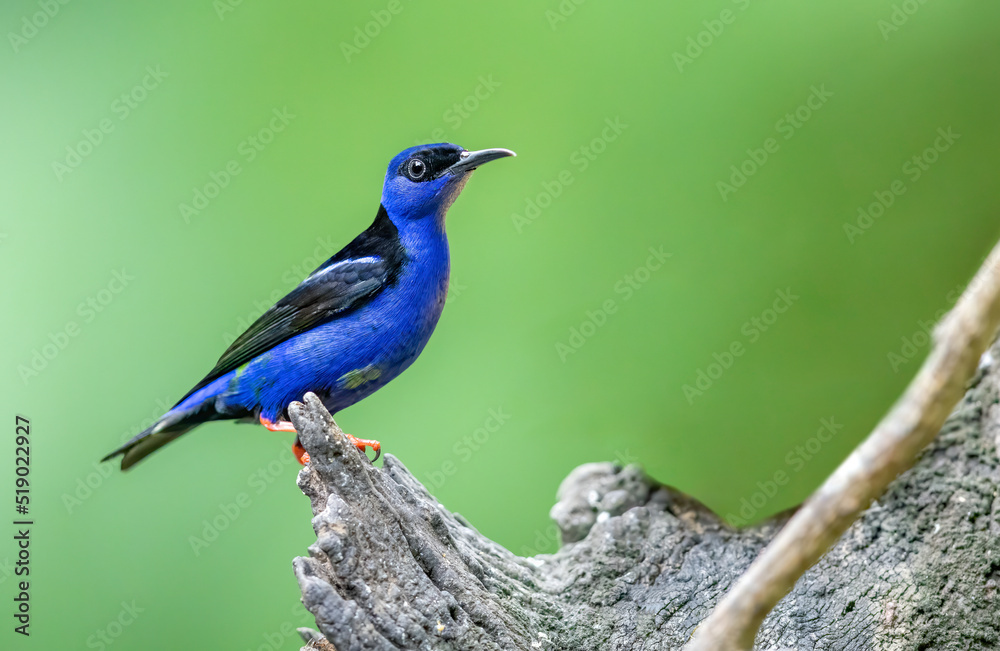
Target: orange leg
point(280, 426)
point(300, 452)
point(303, 456)
point(285, 426)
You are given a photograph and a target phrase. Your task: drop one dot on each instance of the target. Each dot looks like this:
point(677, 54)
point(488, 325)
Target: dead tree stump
point(642, 564)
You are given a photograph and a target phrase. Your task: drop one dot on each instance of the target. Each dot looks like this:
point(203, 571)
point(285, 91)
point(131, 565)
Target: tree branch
point(959, 342)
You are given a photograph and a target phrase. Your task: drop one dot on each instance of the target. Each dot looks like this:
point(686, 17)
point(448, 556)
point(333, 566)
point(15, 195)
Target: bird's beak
point(470, 160)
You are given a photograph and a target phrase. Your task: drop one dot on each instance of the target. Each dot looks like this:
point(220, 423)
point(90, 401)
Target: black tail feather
point(146, 443)
point(172, 425)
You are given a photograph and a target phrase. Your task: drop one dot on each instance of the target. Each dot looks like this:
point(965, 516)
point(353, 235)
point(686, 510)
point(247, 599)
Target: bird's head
point(423, 181)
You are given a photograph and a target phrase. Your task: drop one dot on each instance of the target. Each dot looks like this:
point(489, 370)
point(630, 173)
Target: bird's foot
point(300, 452)
point(284, 426)
point(364, 444)
point(280, 426)
point(303, 456)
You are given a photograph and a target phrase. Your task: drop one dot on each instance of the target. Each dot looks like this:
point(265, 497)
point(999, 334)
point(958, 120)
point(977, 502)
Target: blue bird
point(354, 324)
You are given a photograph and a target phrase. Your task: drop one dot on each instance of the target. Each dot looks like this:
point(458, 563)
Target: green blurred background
point(559, 318)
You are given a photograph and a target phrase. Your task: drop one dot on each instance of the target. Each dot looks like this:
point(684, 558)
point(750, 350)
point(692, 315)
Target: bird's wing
point(348, 280)
point(329, 292)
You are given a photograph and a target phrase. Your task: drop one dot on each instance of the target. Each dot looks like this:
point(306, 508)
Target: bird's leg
point(300, 452)
point(280, 426)
point(285, 426)
point(363, 444)
point(303, 456)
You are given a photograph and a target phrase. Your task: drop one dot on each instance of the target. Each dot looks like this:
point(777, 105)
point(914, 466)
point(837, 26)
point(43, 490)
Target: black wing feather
point(345, 282)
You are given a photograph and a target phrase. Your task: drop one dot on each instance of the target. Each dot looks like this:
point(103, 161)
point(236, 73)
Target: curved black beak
point(470, 160)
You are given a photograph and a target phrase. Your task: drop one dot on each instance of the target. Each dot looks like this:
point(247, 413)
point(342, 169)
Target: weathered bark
point(893, 447)
point(642, 564)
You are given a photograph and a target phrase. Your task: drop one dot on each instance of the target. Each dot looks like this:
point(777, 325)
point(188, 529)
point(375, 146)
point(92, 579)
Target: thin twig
point(959, 342)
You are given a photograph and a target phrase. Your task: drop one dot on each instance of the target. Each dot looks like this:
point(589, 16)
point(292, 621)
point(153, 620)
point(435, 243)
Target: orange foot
point(300, 452)
point(284, 426)
point(362, 444)
point(280, 426)
point(303, 456)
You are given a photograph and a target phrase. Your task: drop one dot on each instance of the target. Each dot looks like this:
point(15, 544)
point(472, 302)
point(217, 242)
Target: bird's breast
point(377, 343)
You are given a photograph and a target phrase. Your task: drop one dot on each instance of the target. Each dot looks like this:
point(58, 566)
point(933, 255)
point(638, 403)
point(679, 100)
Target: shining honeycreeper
point(354, 324)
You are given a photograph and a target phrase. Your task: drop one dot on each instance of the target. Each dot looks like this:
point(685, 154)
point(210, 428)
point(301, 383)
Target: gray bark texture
point(641, 564)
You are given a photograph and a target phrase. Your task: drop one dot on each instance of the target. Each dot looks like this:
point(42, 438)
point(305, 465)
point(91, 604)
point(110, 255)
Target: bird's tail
point(172, 425)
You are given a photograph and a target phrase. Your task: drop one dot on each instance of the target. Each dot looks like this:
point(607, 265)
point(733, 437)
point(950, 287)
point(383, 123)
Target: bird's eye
point(416, 169)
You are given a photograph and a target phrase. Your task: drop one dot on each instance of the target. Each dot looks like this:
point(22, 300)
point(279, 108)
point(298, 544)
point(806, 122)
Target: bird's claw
point(303, 456)
point(361, 444)
point(364, 444)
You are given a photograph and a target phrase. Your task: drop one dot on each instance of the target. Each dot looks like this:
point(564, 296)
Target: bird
point(352, 325)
